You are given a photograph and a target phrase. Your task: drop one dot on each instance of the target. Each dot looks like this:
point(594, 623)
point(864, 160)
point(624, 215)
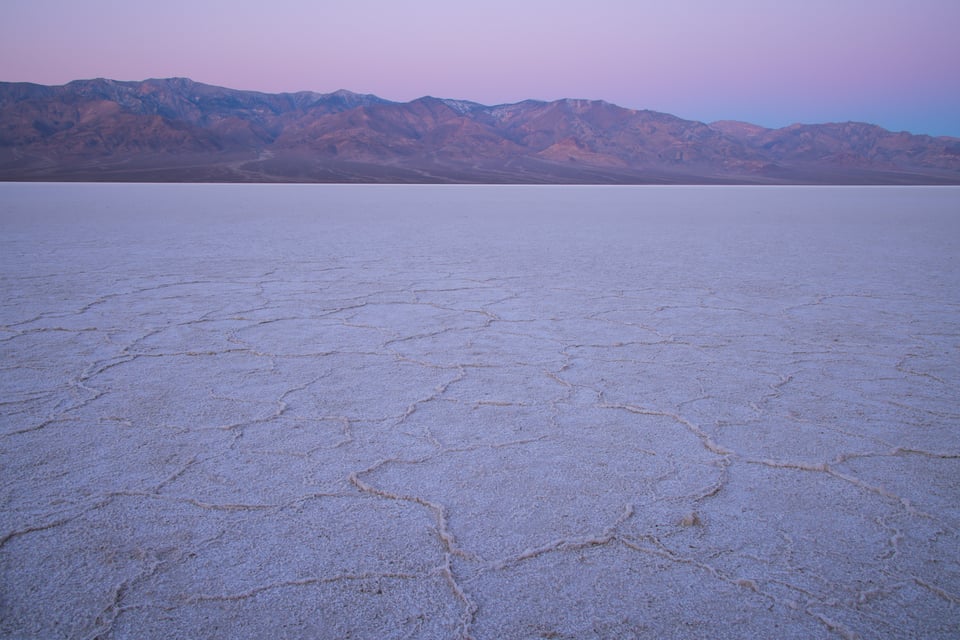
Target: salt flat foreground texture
point(487, 412)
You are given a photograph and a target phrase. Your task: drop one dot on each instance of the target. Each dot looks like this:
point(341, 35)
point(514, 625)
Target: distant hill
point(179, 130)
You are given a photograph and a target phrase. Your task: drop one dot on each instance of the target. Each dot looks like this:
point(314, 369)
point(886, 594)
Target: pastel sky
point(895, 63)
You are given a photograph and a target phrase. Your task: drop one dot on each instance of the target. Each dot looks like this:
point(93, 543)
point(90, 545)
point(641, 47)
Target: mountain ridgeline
point(178, 130)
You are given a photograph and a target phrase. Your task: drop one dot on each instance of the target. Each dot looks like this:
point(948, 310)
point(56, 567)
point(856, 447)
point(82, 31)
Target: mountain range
point(177, 130)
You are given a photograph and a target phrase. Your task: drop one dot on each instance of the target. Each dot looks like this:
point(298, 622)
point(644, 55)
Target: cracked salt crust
point(479, 412)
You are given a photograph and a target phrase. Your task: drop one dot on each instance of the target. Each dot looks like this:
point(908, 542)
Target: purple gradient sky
point(891, 62)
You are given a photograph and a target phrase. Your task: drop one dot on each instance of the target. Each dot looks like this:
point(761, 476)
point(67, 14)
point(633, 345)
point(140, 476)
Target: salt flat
point(492, 412)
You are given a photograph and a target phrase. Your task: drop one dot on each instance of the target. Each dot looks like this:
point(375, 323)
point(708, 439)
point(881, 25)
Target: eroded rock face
point(179, 130)
point(491, 412)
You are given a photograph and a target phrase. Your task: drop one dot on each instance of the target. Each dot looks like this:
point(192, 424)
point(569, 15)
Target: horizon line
point(480, 104)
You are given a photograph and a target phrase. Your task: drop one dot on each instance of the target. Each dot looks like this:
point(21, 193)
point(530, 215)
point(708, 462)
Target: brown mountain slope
point(179, 130)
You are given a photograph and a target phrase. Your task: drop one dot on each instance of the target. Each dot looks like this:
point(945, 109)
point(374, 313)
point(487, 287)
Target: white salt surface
point(487, 412)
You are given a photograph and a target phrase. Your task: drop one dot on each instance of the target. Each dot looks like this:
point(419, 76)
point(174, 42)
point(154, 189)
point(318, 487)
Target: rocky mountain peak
point(178, 129)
